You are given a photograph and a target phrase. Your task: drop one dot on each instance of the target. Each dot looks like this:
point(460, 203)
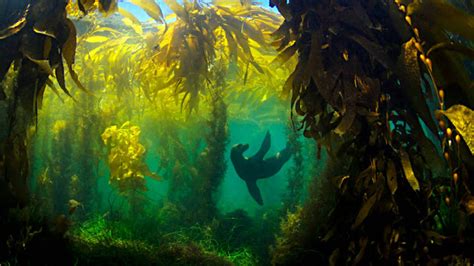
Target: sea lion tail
point(254, 191)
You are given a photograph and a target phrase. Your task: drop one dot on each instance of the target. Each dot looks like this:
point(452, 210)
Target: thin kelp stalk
point(42, 182)
point(295, 175)
point(61, 164)
point(178, 164)
point(76, 150)
point(136, 200)
point(212, 162)
point(173, 158)
point(87, 156)
point(197, 173)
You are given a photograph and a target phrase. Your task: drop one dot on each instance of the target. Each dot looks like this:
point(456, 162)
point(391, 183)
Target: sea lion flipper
point(267, 142)
point(254, 191)
point(285, 154)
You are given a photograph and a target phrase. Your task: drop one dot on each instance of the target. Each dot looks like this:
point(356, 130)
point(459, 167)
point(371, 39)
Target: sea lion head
point(238, 150)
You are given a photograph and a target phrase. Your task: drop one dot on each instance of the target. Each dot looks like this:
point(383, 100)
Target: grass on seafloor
point(98, 240)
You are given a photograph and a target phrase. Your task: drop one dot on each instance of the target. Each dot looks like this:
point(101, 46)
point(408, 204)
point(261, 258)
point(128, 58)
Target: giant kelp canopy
point(185, 57)
point(369, 78)
point(205, 38)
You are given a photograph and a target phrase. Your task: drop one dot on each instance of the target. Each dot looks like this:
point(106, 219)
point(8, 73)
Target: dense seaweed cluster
point(368, 81)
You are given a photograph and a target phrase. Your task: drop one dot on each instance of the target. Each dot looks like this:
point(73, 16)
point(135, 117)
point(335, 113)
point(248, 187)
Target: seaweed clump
point(369, 78)
point(125, 159)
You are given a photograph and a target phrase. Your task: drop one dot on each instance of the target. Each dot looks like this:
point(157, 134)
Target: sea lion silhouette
point(256, 167)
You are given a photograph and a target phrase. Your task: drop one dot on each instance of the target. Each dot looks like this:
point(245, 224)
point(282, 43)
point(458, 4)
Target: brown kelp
point(366, 84)
point(76, 138)
point(212, 164)
point(125, 159)
point(204, 34)
point(36, 36)
point(61, 165)
point(296, 174)
point(87, 135)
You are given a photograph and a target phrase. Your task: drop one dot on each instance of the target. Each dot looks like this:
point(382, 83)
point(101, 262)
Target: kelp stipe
point(296, 178)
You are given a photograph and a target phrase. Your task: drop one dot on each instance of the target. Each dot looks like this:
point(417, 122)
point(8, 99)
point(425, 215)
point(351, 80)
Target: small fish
point(73, 204)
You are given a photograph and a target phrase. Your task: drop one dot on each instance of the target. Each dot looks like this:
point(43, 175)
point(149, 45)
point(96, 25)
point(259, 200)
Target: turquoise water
point(232, 195)
point(198, 206)
point(60, 155)
point(234, 191)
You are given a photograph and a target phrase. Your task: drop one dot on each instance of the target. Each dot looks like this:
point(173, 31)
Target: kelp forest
point(225, 132)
